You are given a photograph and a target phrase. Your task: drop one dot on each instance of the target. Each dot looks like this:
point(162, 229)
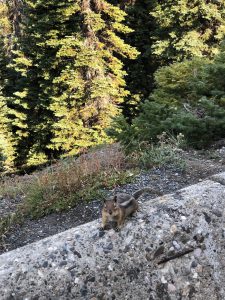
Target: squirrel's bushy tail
point(138, 193)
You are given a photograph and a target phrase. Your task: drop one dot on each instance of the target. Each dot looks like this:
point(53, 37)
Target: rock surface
point(174, 248)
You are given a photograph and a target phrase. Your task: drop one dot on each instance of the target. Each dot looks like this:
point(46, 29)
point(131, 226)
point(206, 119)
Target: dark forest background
point(79, 73)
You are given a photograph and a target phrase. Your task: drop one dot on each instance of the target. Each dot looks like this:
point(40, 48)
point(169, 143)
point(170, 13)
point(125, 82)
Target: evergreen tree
point(70, 77)
point(213, 85)
point(188, 28)
point(91, 81)
point(7, 153)
point(140, 72)
point(35, 65)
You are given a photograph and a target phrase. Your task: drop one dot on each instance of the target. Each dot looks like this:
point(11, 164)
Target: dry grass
point(64, 184)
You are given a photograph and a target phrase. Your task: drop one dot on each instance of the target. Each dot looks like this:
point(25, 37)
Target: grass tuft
point(65, 184)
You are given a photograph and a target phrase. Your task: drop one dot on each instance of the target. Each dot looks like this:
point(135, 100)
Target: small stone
point(77, 280)
point(116, 260)
point(207, 217)
point(63, 263)
point(194, 264)
point(195, 275)
point(171, 251)
point(183, 218)
point(171, 288)
point(163, 280)
point(91, 279)
point(110, 268)
point(45, 264)
point(197, 252)
point(199, 237)
point(173, 229)
point(77, 253)
point(176, 245)
point(148, 256)
point(199, 269)
point(147, 280)
point(41, 274)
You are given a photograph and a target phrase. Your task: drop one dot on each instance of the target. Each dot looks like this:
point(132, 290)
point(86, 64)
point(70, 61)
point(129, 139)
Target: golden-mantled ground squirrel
point(116, 208)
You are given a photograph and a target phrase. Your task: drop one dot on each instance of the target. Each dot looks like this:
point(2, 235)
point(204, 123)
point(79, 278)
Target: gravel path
point(166, 180)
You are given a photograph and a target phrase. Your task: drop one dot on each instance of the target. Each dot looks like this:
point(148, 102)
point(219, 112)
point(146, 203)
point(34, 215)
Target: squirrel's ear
point(115, 198)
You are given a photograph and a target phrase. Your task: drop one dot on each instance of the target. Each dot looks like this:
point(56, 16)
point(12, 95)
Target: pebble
point(194, 264)
point(171, 288)
point(173, 229)
point(45, 264)
point(195, 275)
point(110, 268)
point(176, 245)
point(147, 280)
point(171, 251)
point(41, 274)
point(199, 269)
point(197, 252)
point(163, 280)
point(223, 234)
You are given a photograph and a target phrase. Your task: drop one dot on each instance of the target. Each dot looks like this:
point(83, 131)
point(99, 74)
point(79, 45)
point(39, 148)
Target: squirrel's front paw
point(118, 228)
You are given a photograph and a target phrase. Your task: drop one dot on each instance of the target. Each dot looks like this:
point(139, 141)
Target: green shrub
point(189, 99)
point(201, 126)
point(166, 152)
point(181, 82)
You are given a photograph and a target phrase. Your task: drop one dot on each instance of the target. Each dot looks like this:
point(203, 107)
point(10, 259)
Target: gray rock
point(136, 263)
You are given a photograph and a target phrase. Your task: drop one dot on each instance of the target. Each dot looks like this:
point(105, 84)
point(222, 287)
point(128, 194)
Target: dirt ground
point(199, 166)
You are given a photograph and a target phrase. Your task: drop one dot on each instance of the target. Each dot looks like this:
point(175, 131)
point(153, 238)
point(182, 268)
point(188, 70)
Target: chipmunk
point(116, 208)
